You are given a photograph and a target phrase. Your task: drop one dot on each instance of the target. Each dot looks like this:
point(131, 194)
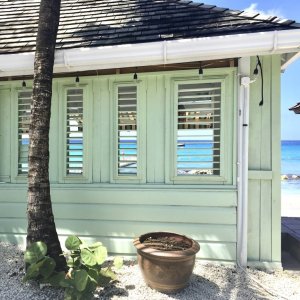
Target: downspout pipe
point(243, 146)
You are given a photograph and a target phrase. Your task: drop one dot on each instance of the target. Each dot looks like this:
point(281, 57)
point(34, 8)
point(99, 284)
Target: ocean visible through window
point(74, 150)
point(24, 99)
point(127, 130)
point(198, 129)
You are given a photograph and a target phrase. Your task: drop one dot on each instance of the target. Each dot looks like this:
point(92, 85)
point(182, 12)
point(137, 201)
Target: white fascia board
point(156, 53)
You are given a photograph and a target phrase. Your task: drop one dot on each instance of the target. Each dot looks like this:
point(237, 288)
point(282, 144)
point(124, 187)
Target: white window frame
point(140, 177)
point(16, 177)
point(226, 131)
point(86, 176)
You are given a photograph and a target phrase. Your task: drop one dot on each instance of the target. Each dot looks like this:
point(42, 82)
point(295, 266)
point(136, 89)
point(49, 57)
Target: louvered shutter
point(74, 126)
point(24, 99)
point(127, 130)
point(198, 129)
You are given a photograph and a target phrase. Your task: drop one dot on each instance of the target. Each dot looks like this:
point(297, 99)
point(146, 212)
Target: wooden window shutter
point(74, 137)
point(127, 130)
point(24, 111)
point(198, 129)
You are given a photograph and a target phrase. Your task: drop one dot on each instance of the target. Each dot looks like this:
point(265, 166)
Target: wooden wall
point(264, 232)
point(116, 216)
point(115, 213)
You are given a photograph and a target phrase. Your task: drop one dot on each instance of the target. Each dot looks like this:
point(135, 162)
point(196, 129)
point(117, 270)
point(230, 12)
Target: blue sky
point(290, 84)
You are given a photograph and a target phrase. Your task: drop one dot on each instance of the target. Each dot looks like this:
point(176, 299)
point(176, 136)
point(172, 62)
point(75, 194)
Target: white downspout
point(243, 142)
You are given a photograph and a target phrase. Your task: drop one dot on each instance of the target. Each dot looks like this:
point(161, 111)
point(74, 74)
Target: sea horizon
point(290, 183)
point(290, 157)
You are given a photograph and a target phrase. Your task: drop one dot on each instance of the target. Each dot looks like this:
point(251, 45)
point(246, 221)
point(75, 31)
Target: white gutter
point(165, 52)
point(243, 142)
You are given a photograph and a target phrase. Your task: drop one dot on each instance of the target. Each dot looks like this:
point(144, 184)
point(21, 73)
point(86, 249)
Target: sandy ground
point(208, 282)
point(290, 203)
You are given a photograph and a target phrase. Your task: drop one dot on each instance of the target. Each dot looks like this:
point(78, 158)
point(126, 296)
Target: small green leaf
point(81, 279)
point(66, 283)
point(100, 254)
point(72, 242)
point(70, 262)
point(56, 278)
point(35, 252)
point(47, 267)
point(73, 261)
point(93, 275)
point(107, 272)
point(91, 286)
point(118, 262)
point(33, 271)
point(87, 296)
point(88, 258)
point(105, 277)
point(68, 295)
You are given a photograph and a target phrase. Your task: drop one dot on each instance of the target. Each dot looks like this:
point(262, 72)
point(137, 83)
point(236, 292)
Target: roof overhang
point(288, 59)
point(156, 53)
point(296, 108)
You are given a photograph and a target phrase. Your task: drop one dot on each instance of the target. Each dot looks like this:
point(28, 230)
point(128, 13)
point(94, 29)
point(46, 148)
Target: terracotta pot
point(166, 271)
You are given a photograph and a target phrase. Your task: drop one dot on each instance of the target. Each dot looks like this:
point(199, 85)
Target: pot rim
point(195, 247)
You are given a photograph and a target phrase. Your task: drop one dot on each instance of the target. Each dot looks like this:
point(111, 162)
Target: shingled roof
point(94, 23)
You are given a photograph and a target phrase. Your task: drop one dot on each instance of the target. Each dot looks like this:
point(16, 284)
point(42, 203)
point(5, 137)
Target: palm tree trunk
point(41, 226)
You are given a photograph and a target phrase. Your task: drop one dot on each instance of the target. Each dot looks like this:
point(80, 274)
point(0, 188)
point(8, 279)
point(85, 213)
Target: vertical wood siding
point(264, 165)
point(116, 213)
point(5, 135)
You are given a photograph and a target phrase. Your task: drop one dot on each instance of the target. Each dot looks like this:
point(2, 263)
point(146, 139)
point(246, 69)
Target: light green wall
point(116, 215)
point(5, 135)
point(98, 208)
point(264, 232)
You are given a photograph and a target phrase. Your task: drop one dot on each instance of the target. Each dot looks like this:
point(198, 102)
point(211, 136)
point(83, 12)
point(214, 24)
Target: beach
point(290, 204)
point(208, 282)
point(290, 183)
point(290, 198)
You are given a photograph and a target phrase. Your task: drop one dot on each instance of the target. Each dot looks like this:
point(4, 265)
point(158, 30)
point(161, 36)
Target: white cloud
point(252, 9)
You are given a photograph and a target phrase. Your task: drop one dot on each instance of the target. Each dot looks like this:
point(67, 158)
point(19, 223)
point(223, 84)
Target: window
point(74, 132)
point(166, 128)
point(202, 146)
point(127, 131)
point(24, 99)
point(198, 129)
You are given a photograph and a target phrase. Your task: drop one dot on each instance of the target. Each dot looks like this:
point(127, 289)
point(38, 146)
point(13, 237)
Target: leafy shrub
point(85, 262)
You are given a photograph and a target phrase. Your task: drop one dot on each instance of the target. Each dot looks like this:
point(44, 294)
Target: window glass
point(127, 130)
point(24, 100)
point(198, 129)
point(74, 126)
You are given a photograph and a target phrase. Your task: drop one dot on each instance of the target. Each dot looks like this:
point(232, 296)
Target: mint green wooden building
point(161, 129)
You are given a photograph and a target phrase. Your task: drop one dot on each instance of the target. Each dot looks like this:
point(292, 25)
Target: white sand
point(290, 203)
point(208, 282)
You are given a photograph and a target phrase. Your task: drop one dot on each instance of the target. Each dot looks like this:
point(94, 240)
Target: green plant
point(85, 262)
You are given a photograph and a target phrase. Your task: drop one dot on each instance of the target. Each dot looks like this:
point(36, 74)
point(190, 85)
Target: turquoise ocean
point(290, 165)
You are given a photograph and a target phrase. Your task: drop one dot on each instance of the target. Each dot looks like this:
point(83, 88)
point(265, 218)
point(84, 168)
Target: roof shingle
point(88, 23)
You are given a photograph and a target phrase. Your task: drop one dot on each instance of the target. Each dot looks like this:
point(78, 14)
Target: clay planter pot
point(165, 270)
